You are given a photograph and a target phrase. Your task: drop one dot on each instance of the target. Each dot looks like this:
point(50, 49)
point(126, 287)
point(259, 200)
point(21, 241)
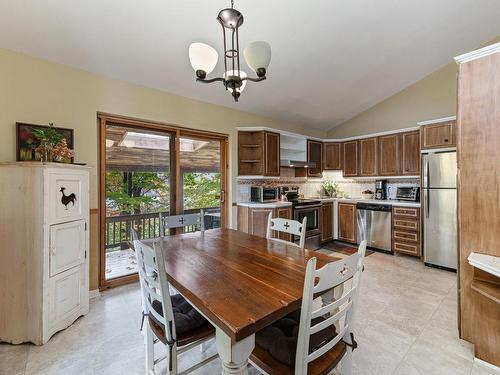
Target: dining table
point(240, 282)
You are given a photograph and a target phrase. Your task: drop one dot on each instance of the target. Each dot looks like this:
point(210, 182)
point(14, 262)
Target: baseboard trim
point(94, 293)
point(491, 366)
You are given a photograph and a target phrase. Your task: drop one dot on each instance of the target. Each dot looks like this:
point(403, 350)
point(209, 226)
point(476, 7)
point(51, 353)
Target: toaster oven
point(263, 194)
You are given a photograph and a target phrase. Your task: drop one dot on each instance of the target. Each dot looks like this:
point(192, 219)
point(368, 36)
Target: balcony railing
point(148, 226)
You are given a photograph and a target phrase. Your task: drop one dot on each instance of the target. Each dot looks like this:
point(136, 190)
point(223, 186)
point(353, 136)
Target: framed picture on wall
point(26, 142)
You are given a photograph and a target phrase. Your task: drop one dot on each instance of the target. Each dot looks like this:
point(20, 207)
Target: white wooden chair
point(288, 226)
point(324, 358)
point(181, 221)
point(157, 304)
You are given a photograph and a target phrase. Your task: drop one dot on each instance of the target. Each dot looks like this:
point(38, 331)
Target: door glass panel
point(138, 189)
point(200, 179)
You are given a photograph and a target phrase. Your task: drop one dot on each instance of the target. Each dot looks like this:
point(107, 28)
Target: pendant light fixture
point(204, 57)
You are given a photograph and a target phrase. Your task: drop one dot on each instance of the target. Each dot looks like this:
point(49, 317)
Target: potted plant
point(53, 146)
point(331, 188)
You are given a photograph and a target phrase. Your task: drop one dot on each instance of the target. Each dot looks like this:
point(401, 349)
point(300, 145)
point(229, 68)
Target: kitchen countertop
point(375, 201)
point(264, 205)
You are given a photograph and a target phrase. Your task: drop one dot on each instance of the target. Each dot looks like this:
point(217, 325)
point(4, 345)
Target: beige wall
point(37, 91)
point(430, 98)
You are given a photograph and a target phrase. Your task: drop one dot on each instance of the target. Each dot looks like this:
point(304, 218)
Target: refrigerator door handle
point(426, 174)
point(427, 202)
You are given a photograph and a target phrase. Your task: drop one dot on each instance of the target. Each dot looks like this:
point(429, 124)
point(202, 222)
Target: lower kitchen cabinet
point(347, 222)
point(326, 221)
point(253, 220)
point(406, 230)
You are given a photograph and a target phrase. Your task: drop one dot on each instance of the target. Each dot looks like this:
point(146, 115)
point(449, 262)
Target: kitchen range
point(302, 208)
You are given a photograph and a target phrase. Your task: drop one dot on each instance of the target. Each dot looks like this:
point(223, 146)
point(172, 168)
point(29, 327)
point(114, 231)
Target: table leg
point(234, 355)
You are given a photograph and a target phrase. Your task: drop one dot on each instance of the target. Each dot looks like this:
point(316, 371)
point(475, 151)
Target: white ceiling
point(332, 59)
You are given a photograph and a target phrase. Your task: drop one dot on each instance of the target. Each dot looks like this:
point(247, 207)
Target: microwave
point(263, 194)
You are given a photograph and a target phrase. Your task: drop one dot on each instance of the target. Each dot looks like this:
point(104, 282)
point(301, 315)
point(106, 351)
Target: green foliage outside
point(147, 192)
point(201, 190)
point(137, 192)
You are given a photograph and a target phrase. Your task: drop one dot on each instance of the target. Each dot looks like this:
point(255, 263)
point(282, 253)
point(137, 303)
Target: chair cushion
point(186, 317)
point(280, 338)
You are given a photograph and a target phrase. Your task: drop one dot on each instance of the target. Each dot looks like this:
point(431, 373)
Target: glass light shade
point(258, 55)
point(235, 73)
point(203, 57)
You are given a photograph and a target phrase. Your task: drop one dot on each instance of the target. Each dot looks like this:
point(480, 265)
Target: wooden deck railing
point(148, 226)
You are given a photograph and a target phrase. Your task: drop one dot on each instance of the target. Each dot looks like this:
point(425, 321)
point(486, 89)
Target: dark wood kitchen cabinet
point(258, 153)
point(368, 156)
point(315, 155)
point(406, 230)
point(253, 220)
point(326, 221)
point(350, 158)
point(271, 154)
point(347, 222)
point(333, 156)
point(438, 135)
point(410, 151)
point(388, 155)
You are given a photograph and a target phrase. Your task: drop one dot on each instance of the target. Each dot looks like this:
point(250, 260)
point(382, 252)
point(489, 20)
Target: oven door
point(313, 220)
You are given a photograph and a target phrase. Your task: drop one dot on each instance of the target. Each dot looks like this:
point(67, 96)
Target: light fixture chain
point(232, 3)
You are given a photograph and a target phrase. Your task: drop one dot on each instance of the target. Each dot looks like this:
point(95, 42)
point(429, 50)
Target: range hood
point(297, 164)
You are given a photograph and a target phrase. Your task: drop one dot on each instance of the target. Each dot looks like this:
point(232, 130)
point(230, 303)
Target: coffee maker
point(381, 189)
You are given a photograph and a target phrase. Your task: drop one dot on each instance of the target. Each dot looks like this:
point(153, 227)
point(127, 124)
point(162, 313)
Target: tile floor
point(405, 325)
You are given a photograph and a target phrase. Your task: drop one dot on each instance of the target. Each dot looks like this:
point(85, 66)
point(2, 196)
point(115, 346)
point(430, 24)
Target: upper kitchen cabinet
point(315, 155)
point(368, 156)
point(350, 159)
point(258, 153)
point(438, 135)
point(388, 155)
point(333, 156)
point(271, 154)
point(410, 150)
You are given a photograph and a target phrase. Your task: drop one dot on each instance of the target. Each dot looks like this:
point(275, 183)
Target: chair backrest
point(338, 313)
point(289, 226)
point(181, 221)
point(154, 284)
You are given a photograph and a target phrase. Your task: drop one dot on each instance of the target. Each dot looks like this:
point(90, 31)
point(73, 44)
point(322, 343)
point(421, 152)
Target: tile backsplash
point(311, 187)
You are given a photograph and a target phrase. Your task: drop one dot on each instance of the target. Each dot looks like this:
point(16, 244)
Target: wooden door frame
point(177, 131)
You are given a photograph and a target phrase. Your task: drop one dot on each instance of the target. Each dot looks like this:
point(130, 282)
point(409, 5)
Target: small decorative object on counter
point(331, 188)
point(367, 194)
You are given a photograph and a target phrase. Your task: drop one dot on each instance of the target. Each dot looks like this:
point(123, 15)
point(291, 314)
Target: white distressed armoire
point(44, 247)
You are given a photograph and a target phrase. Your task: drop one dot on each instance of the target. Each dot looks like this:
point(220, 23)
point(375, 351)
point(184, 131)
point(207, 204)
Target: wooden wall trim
point(134, 121)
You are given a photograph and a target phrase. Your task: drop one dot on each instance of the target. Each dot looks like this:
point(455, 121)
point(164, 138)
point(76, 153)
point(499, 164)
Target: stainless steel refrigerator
point(439, 193)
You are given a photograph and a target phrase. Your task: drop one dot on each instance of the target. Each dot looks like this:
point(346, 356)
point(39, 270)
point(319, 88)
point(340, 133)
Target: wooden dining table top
point(241, 282)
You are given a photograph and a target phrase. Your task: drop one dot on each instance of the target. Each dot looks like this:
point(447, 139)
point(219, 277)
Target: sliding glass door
point(138, 190)
point(148, 172)
point(200, 178)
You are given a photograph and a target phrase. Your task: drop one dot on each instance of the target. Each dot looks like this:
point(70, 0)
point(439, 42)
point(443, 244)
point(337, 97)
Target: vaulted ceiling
point(332, 59)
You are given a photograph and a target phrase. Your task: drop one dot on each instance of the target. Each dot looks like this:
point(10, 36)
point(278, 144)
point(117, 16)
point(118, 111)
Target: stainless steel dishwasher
point(374, 225)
